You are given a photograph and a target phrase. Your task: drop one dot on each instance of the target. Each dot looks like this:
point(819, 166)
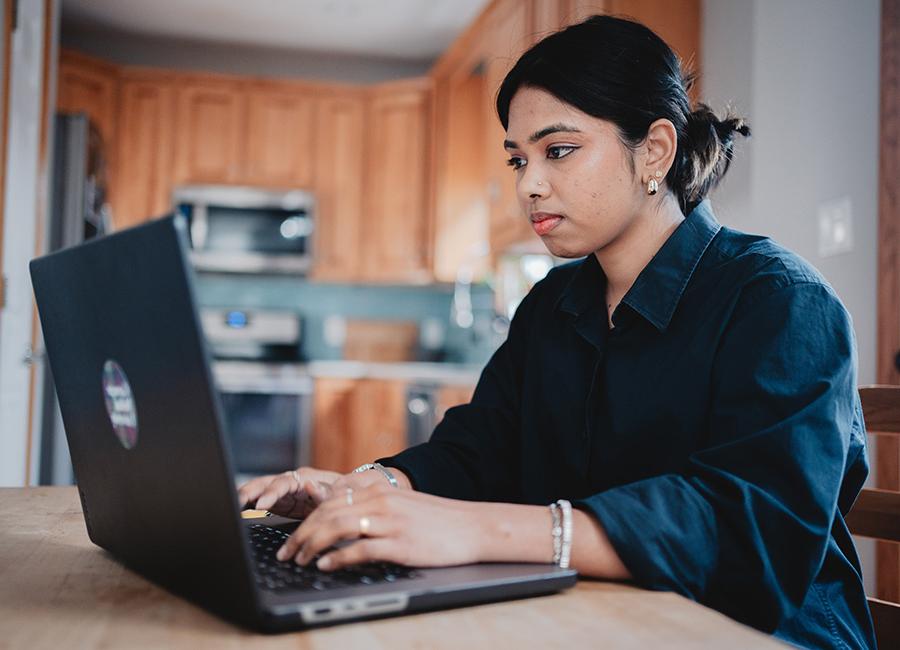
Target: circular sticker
point(120, 404)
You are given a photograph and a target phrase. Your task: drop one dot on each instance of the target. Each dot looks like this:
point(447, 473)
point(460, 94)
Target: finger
point(252, 489)
point(339, 528)
point(382, 549)
point(281, 486)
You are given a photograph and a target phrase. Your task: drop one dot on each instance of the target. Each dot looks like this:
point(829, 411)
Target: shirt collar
point(658, 288)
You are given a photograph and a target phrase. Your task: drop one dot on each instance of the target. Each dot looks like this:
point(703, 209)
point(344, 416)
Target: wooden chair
point(876, 513)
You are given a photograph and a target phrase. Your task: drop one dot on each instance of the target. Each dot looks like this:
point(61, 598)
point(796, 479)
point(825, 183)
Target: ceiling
point(403, 29)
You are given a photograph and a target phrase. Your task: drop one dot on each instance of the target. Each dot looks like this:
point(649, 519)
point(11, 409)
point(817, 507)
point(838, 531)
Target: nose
point(532, 186)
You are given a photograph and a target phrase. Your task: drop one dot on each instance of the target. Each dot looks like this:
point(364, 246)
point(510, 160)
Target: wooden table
point(57, 590)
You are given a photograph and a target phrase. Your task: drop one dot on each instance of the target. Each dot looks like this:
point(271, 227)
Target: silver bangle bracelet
point(556, 532)
point(566, 546)
point(388, 474)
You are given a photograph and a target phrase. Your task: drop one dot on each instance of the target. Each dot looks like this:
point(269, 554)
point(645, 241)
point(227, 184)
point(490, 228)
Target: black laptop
point(151, 459)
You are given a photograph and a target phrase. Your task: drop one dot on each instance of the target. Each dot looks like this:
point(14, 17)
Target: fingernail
point(281, 555)
point(324, 562)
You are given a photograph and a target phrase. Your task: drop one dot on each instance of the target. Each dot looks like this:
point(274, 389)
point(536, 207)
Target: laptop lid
point(142, 418)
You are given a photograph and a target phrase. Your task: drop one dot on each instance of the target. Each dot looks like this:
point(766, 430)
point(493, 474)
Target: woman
point(684, 397)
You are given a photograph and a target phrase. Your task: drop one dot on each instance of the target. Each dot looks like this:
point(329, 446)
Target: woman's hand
point(290, 494)
point(396, 525)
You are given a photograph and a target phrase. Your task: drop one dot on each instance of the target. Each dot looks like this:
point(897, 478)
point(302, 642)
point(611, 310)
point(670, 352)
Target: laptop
point(151, 459)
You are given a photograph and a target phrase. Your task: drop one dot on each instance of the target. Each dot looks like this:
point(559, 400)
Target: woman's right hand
point(292, 494)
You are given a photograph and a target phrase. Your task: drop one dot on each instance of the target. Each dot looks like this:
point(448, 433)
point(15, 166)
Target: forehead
point(532, 109)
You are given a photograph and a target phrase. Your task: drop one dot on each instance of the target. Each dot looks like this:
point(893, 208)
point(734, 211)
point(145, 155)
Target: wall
point(806, 75)
point(179, 54)
point(428, 305)
point(25, 182)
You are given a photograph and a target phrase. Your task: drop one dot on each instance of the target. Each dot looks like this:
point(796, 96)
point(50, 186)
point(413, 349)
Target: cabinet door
point(332, 423)
point(209, 124)
point(396, 223)
point(356, 421)
point(676, 21)
point(147, 115)
point(450, 396)
point(379, 420)
point(86, 85)
point(508, 35)
point(339, 171)
point(279, 136)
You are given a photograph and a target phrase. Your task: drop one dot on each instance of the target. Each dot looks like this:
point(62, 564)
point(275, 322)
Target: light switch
point(835, 227)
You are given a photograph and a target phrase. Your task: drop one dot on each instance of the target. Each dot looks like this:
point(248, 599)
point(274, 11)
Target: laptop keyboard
point(281, 576)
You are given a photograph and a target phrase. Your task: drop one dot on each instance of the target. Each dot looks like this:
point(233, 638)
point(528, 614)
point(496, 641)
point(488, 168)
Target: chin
point(561, 249)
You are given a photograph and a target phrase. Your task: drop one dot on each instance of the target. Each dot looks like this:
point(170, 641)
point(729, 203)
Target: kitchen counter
point(412, 371)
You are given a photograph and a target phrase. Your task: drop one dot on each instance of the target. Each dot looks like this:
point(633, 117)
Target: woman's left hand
point(399, 526)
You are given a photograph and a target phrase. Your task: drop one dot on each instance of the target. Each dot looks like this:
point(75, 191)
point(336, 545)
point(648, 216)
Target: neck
point(626, 256)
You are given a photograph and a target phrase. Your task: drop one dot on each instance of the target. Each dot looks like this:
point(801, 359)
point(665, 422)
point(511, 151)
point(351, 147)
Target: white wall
point(23, 185)
point(805, 73)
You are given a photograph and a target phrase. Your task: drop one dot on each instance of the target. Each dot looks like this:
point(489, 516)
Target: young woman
point(684, 397)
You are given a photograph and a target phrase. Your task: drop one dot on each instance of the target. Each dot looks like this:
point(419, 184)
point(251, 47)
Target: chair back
point(876, 513)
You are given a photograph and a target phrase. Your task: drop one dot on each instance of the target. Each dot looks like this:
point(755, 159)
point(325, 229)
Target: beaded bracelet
point(556, 532)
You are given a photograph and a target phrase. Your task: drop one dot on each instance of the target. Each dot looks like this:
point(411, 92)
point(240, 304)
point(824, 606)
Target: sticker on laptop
point(120, 404)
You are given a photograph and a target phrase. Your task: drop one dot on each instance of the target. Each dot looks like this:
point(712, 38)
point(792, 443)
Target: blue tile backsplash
point(315, 302)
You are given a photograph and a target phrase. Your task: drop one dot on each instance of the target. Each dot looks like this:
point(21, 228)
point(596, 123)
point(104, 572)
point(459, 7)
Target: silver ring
point(349, 496)
point(364, 526)
point(296, 478)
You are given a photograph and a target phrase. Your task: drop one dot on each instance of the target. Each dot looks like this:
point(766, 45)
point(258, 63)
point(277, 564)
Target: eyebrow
point(547, 130)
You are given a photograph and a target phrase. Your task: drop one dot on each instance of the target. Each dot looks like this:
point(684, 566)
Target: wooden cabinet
point(279, 138)
point(509, 34)
point(395, 224)
point(356, 421)
point(87, 85)
point(145, 148)
point(450, 396)
point(209, 121)
point(339, 173)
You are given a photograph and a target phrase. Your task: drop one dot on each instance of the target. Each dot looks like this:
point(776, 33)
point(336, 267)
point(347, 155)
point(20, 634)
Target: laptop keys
point(278, 576)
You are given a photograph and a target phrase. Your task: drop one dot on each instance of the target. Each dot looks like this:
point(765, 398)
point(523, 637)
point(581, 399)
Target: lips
point(544, 222)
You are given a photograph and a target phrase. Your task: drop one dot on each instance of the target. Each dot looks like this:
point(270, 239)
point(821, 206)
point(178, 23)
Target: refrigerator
point(78, 212)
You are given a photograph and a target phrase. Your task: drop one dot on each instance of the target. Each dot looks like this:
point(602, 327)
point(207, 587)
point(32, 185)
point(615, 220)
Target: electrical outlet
point(835, 227)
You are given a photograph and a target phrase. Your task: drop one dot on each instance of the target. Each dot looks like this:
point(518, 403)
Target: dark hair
point(621, 71)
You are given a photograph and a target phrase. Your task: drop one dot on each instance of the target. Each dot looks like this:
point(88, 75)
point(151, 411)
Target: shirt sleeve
point(469, 454)
point(744, 526)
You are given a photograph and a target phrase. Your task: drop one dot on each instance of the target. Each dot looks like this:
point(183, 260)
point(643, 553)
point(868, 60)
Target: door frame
point(888, 328)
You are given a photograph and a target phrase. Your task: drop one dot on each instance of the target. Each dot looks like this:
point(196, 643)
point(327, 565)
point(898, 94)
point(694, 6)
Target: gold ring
point(349, 496)
point(364, 525)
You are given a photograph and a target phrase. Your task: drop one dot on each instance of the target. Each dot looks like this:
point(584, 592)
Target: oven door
point(268, 415)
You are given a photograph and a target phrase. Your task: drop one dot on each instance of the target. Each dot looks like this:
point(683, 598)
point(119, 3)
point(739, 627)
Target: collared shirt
point(715, 431)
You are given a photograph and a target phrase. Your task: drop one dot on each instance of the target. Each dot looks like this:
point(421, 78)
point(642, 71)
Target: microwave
point(248, 230)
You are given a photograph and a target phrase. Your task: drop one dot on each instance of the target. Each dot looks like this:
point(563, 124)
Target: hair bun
point(706, 149)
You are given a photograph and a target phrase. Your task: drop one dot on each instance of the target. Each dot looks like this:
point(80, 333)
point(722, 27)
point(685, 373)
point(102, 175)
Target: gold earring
point(652, 187)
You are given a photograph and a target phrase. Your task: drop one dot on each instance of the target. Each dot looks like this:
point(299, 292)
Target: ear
point(659, 148)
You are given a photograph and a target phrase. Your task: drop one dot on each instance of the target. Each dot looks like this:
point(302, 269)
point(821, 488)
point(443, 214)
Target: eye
point(516, 162)
point(558, 151)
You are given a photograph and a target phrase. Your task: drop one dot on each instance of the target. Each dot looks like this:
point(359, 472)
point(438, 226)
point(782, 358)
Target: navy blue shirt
point(715, 431)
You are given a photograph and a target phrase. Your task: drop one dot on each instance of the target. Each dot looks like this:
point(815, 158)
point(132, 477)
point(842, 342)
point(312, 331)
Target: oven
point(264, 388)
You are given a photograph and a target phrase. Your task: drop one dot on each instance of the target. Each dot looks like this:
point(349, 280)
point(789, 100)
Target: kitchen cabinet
point(279, 138)
point(339, 173)
point(209, 121)
point(88, 85)
point(509, 34)
point(356, 421)
point(145, 148)
point(395, 224)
